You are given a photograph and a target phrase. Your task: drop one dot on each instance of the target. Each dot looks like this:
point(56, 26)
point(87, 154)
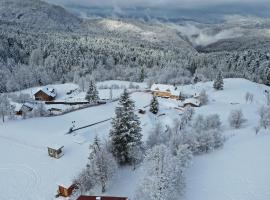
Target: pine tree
point(142, 74)
point(154, 105)
point(126, 131)
point(218, 83)
point(92, 93)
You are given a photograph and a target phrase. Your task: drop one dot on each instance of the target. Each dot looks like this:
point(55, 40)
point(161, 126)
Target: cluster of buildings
point(41, 94)
point(173, 92)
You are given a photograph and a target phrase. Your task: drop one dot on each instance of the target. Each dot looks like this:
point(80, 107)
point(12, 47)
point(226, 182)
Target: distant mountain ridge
point(37, 14)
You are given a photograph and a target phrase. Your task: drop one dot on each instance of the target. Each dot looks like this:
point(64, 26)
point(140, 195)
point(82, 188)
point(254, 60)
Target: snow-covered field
point(239, 171)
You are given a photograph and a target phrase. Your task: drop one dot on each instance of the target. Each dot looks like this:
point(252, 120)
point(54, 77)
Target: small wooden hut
point(65, 191)
point(56, 151)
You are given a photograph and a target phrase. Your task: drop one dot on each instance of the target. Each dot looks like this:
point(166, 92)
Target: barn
point(101, 198)
point(45, 94)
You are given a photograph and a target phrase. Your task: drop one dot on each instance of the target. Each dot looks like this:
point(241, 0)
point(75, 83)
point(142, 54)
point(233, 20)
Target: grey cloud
point(156, 3)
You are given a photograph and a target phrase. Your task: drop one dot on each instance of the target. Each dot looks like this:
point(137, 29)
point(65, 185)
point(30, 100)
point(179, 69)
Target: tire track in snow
point(22, 143)
point(25, 173)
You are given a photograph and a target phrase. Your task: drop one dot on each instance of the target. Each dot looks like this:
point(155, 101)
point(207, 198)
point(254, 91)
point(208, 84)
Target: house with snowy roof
point(165, 91)
point(21, 109)
point(45, 94)
point(193, 102)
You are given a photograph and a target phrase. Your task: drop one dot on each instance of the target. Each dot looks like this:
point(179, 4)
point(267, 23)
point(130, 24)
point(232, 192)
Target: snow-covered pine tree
point(218, 83)
point(154, 105)
point(92, 93)
point(142, 74)
point(126, 130)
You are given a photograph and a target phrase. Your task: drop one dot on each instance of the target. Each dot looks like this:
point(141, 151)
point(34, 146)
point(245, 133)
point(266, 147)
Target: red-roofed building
point(101, 198)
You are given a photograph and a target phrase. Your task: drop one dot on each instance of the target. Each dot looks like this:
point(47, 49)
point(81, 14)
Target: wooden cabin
point(56, 151)
point(65, 191)
point(101, 198)
point(45, 94)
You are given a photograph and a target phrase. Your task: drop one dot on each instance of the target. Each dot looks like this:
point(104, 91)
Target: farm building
point(170, 91)
point(55, 151)
point(45, 94)
point(166, 91)
point(21, 109)
point(193, 102)
point(101, 198)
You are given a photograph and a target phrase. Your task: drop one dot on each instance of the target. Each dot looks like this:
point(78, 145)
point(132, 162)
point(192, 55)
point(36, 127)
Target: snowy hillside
point(37, 14)
point(237, 171)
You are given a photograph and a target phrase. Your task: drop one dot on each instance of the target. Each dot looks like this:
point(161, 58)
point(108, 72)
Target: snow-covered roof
point(18, 106)
point(47, 90)
point(55, 146)
point(193, 101)
point(29, 105)
point(163, 88)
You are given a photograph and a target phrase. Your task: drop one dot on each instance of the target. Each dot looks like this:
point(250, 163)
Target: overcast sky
point(157, 3)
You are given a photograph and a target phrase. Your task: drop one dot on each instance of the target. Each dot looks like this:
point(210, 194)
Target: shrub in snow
point(92, 93)
point(249, 97)
point(257, 129)
point(99, 170)
point(186, 117)
point(264, 113)
point(154, 105)
point(156, 136)
point(203, 97)
point(136, 154)
point(205, 134)
point(236, 118)
point(164, 179)
point(6, 109)
point(101, 165)
point(212, 122)
point(267, 95)
point(38, 111)
point(133, 86)
point(125, 131)
point(218, 82)
point(84, 182)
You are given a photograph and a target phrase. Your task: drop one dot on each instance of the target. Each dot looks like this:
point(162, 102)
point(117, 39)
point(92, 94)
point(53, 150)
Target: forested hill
point(37, 14)
point(42, 44)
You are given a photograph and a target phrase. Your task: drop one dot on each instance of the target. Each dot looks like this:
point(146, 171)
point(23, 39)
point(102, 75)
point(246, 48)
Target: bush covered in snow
point(264, 113)
point(164, 173)
point(236, 118)
point(203, 97)
point(99, 170)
